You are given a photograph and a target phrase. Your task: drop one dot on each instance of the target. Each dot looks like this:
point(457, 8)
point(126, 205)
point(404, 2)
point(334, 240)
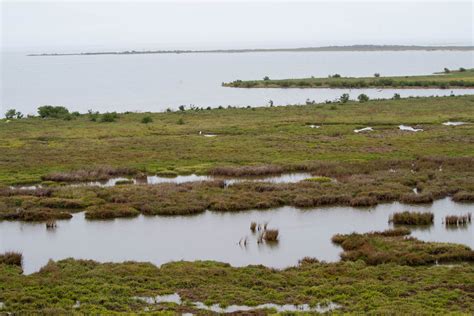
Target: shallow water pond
point(282, 178)
point(216, 236)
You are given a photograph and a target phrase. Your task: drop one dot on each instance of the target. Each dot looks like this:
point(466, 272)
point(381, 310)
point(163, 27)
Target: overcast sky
point(79, 26)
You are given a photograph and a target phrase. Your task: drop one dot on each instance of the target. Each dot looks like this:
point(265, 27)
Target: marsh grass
point(108, 211)
point(91, 174)
point(457, 220)
point(11, 258)
point(124, 182)
point(393, 247)
point(51, 224)
point(319, 179)
point(261, 136)
point(253, 227)
point(270, 235)
point(412, 218)
point(356, 185)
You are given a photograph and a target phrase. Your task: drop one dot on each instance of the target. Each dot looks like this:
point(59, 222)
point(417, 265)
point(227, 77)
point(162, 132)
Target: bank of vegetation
point(460, 78)
point(380, 272)
point(36, 149)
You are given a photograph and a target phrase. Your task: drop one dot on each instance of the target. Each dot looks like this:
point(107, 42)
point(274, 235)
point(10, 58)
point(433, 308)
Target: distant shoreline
point(351, 48)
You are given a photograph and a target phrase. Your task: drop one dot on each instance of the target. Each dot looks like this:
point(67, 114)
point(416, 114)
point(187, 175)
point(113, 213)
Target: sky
point(78, 26)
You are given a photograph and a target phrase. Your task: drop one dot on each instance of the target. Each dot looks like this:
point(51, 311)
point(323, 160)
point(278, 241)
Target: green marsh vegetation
point(412, 218)
point(34, 148)
point(380, 272)
point(355, 184)
point(462, 78)
point(457, 220)
point(393, 246)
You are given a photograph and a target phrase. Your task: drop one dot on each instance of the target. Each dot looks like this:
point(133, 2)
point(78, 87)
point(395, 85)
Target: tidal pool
point(216, 236)
point(282, 178)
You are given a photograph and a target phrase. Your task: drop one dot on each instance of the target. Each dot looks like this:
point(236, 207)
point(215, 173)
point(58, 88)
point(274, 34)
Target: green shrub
point(109, 117)
point(344, 98)
point(50, 111)
point(363, 98)
point(147, 119)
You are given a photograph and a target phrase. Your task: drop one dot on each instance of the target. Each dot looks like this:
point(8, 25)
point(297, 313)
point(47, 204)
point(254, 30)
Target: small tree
point(147, 119)
point(336, 76)
point(270, 103)
point(10, 114)
point(446, 70)
point(266, 78)
point(396, 96)
point(363, 98)
point(182, 108)
point(19, 115)
point(344, 98)
point(462, 69)
point(376, 75)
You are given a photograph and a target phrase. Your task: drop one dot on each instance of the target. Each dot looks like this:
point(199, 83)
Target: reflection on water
point(216, 308)
point(216, 235)
point(283, 178)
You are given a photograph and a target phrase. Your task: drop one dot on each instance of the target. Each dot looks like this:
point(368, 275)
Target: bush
point(446, 70)
point(396, 96)
point(46, 111)
point(376, 75)
point(93, 116)
point(147, 119)
point(11, 258)
point(363, 98)
point(344, 98)
point(266, 78)
point(462, 69)
point(109, 117)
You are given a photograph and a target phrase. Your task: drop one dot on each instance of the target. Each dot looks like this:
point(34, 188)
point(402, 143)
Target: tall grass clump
point(108, 211)
point(253, 226)
point(457, 220)
point(11, 258)
point(270, 235)
point(412, 218)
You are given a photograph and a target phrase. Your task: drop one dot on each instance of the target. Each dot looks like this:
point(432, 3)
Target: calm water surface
point(157, 81)
point(215, 236)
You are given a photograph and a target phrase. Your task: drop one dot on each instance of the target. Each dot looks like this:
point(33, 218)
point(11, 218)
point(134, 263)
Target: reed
point(457, 220)
point(253, 226)
point(51, 224)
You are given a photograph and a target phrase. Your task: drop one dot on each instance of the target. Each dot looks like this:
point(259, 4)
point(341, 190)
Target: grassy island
point(463, 78)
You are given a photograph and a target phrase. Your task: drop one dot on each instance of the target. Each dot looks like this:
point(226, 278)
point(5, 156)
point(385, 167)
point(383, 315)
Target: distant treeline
point(363, 48)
